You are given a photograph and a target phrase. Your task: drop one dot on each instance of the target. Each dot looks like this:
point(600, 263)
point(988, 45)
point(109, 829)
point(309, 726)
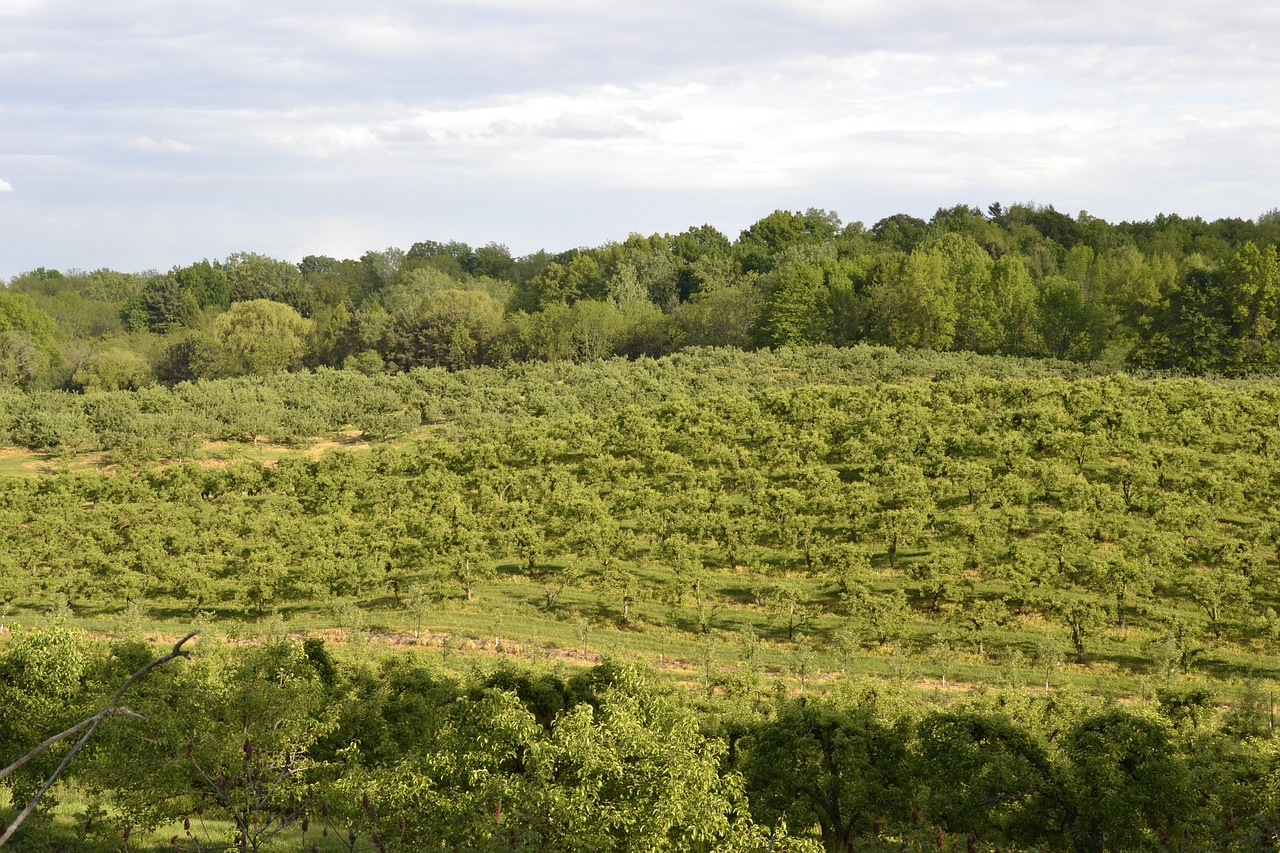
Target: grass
point(508, 619)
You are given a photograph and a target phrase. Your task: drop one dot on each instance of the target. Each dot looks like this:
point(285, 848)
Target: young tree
point(1082, 617)
point(939, 576)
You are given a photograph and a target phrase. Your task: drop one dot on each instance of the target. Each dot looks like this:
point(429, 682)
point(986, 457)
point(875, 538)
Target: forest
point(1173, 293)
point(922, 537)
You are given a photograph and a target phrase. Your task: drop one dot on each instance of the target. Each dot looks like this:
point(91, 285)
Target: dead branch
point(112, 709)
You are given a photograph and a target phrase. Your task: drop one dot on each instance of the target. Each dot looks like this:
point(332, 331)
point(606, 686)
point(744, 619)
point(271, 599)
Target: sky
point(143, 134)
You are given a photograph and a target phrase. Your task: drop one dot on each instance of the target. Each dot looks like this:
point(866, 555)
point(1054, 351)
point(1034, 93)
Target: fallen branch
point(113, 709)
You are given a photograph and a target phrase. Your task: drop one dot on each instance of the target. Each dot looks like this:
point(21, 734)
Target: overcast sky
point(140, 134)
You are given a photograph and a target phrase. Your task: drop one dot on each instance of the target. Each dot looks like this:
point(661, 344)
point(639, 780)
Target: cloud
point(5, 186)
point(554, 122)
point(589, 126)
point(168, 146)
point(506, 127)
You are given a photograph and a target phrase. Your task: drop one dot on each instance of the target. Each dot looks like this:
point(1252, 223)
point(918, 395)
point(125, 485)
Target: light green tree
point(254, 338)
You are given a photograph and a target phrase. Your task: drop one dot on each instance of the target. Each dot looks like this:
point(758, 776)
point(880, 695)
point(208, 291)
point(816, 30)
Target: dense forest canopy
point(1172, 293)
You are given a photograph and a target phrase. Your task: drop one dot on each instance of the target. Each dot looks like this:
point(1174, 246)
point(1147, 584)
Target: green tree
point(252, 277)
point(798, 312)
point(938, 577)
point(633, 774)
point(230, 734)
point(914, 305)
point(43, 681)
point(1082, 617)
point(26, 340)
point(114, 369)
point(821, 762)
point(886, 614)
point(448, 328)
point(1128, 788)
point(254, 338)
point(723, 315)
point(1015, 302)
point(979, 317)
point(164, 306)
point(1073, 326)
point(1251, 279)
point(1218, 591)
point(765, 241)
point(983, 776)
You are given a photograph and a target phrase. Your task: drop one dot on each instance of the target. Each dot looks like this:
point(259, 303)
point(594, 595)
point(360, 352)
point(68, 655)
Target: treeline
point(285, 745)
point(1171, 293)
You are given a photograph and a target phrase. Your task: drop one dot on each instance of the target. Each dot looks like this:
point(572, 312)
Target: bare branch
point(76, 729)
point(112, 709)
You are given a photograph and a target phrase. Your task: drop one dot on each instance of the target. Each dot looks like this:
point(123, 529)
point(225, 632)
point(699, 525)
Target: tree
point(886, 614)
point(1217, 590)
point(26, 340)
point(1191, 328)
point(452, 328)
point(164, 307)
point(254, 338)
point(983, 776)
point(789, 605)
point(914, 304)
point(904, 507)
point(252, 277)
point(798, 312)
point(42, 690)
point(979, 616)
point(114, 369)
point(1123, 577)
point(1015, 301)
point(724, 315)
point(1127, 787)
point(901, 232)
point(22, 360)
point(1072, 325)
point(979, 317)
point(89, 726)
point(598, 328)
point(632, 774)
point(939, 576)
point(207, 283)
point(1082, 616)
point(231, 734)
point(1251, 279)
point(762, 243)
point(562, 283)
point(823, 762)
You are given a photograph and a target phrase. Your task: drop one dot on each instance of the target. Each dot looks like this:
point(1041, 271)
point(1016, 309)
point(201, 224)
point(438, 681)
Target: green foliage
point(668, 507)
point(984, 776)
point(841, 768)
point(1172, 293)
point(1127, 786)
point(43, 690)
point(253, 338)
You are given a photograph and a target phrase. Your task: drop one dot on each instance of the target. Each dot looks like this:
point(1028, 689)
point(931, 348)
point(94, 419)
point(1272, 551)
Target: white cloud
point(589, 126)
point(560, 119)
point(168, 146)
point(5, 186)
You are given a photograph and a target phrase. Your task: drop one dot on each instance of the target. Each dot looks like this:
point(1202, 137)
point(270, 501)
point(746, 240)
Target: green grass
point(508, 620)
